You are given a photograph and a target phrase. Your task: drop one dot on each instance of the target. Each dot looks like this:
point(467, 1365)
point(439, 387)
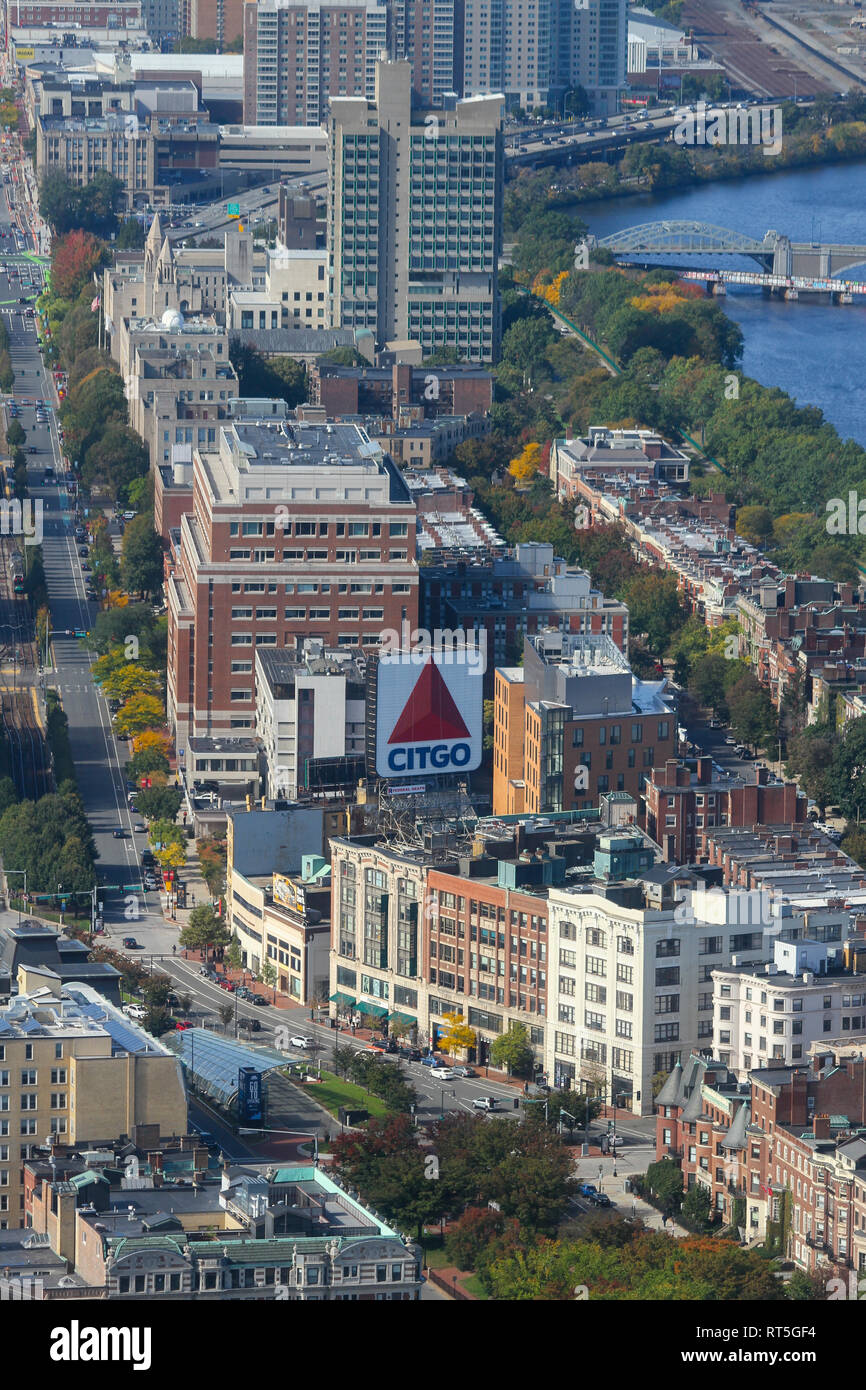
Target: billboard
point(287, 894)
point(428, 714)
point(249, 1095)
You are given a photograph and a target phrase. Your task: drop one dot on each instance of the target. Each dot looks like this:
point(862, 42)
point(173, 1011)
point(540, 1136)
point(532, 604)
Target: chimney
point(822, 1127)
point(705, 771)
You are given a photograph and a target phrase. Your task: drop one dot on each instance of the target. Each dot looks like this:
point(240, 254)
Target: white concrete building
point(310, 709)
point(631, 977)
point(770, 1015)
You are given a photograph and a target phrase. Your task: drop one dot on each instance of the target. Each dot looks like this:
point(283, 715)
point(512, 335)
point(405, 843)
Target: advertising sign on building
point(249, 1095)
point(287, 894)
point(428, 716)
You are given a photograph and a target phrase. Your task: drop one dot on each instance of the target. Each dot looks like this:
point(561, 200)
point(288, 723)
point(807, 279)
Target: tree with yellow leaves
point(151, 739)
point(458, 1036)
point(524, 467)
point(139, 713)
point(172, 857)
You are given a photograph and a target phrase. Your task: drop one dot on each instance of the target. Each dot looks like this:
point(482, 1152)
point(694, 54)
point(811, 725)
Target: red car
point(181, 1026)
point(227, 984)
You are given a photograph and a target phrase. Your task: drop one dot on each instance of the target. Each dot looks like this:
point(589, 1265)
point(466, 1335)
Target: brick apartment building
point(573, 724)
point(463, 390)
point(295, 531)
point(681, 804)
point(782, 1155)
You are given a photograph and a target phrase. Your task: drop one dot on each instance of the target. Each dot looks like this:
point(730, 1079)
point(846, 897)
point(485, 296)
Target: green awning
point(339, 998)
point(403, 1018)
point(374, 1010)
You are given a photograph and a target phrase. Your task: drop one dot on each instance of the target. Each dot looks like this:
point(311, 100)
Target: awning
point(374, 1010)
point(339, 998)
point(403, 1018)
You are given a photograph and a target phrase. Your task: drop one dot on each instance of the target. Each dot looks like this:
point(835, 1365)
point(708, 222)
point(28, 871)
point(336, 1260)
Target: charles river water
point(813, 350)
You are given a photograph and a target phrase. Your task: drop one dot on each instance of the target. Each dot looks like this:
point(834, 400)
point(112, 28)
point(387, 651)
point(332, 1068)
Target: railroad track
point(29, 764)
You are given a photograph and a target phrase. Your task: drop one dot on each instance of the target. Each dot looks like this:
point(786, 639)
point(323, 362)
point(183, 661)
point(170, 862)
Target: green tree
point(655, 608)
point(158, 1020)
point(268, 974)
point(141, 566)
point(811, 757)
point(512, 1051)
point(580, 1109)
point(707, 682)
point(696, 1207)
point(753, 718)
point(226, 1014)
point(847, 780)
point(664, 1180)
point(204, 931)
point(234, 955)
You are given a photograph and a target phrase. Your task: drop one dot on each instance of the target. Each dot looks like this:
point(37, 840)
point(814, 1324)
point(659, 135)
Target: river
point(814, 351)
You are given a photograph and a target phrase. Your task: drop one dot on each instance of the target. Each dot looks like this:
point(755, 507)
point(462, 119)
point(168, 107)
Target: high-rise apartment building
point(537, 50)
point(415, 218)
point(429, 34)
point(222, 20)
point(298, 56)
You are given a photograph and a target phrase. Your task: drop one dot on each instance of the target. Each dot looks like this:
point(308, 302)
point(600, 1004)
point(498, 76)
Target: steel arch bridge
point(689, 239)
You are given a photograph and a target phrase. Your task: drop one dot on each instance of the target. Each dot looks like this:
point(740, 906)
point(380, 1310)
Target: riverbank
point(672, 168)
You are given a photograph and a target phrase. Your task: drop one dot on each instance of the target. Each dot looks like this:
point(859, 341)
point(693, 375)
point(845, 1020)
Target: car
point(147, 858)
point(601, 1199)
point(301, 1040)
point(252, 1024)
point(430, 1059)
point(84, 552)
point(258, 1000)
point(91, 595)
point(139, 827)
point(377, 1047)
point(130, 516)
point(729, 738)
point(409, 1054)
point(119, 834)
point(588, 1189)
point(227, 985)
point(442, 1073)
point(464, 1071)
point(135, 1010)
point(181, 1025)
point(130, 944)
point(85, 568)
point(242, 992)
point(485, 1103)
point(209, 1140)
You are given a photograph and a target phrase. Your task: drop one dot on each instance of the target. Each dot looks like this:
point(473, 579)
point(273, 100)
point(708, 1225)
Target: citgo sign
point(428, 715)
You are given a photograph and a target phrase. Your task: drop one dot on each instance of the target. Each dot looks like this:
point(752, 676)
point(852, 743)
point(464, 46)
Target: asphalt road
point(99, 758)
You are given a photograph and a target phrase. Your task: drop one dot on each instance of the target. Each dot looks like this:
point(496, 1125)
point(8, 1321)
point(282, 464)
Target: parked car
point(242, 992)
point(137, 1011)
point(301, 1040)
point(181, 1025)
point(485, 1102)
point(464, 1071)
point(442, 1073)
point(431, 1059)
point(130, 944)
point(601, 1199)
point(409, 1054)
point(139, 827)
point(251, 1024)
point(258, 999)
point(228, 985)
point(588, 1189)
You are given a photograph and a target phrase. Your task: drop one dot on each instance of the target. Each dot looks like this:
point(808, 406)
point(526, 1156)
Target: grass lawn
point(434, 1253)
point(332, 1093)
point(474, 1285)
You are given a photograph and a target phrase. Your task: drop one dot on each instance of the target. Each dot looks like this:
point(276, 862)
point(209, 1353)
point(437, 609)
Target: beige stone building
point(74, 1067)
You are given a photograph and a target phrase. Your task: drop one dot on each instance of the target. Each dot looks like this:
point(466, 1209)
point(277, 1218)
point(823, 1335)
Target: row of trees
point(51, 840)
point(524, 1168)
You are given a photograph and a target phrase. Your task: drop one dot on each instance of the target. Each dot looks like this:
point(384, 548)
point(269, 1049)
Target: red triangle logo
point(430, 714)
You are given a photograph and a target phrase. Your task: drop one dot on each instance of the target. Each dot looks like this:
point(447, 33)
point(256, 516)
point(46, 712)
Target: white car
point(443, 1073)
point(485, 1102)
point(134, 1011)
point(301, 1041)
